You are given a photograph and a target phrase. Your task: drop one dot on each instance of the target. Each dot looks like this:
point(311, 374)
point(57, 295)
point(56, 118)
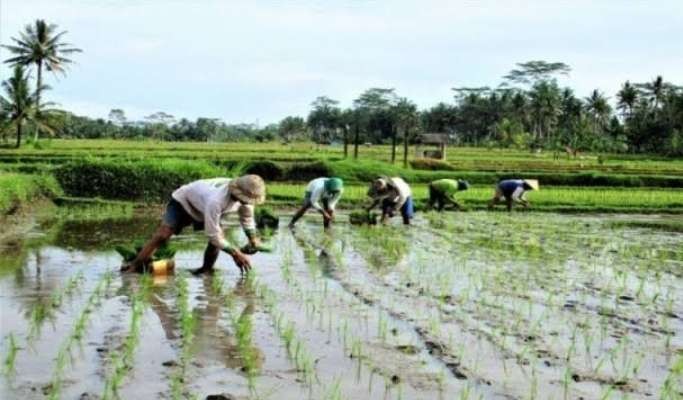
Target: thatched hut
point(438, 140)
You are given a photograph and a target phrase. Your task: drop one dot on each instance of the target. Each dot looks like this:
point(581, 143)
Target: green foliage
point(165, 252)
point(266, 218)
point(363, 218)
point(10, 357)
point(308, 171)
point(267, 170)
point(20, 189)
point(146, 180)
point(429, 164)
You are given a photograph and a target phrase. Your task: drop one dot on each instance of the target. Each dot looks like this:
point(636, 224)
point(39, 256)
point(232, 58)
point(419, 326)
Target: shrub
point(431, 165)
point(267, 170)
point(308, 171)
point(366, 171)
point(149, 180)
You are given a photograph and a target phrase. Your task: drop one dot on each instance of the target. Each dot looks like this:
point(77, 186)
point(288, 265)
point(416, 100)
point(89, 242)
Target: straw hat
point(248, 189)
point(533, 183)
point(378, 186)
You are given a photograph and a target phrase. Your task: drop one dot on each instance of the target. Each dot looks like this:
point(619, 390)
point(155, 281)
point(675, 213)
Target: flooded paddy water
point(459, 305)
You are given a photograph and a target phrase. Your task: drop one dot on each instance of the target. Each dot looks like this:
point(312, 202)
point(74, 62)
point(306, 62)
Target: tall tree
point(599, 109)
point(41, 45)
point(545, 102)
point(657, 91)
point(117, 116)
point(347, 122)
point(375, 111)
point(626, 98)
point(324, 119)
point(532, 72)
point(407, 119)
point(20, 105)
point(291, 128)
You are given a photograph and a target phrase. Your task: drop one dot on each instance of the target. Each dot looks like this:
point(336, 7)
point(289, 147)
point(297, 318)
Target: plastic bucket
point(163, 267)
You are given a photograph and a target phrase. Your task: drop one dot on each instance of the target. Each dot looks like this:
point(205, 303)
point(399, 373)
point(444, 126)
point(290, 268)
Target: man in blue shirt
point(513, 190)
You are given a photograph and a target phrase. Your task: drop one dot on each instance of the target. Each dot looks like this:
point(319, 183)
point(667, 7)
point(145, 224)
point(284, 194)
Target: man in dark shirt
point(513, 190)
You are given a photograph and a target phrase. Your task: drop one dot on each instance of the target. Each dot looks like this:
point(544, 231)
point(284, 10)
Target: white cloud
point(266, 59)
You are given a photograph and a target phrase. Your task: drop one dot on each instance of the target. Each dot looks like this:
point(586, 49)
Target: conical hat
point(533, 183)
point(249, 189)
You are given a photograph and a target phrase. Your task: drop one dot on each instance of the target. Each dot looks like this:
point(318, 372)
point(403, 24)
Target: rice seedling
point(76, 335)
point(671, 388)
point(122, 362)
point(10, 357)
point(187, 324)
point(44, 311)
point(334, 391)
point(243, 327)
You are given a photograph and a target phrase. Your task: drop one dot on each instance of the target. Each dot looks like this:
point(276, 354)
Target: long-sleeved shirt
point(316, 188)
point(398, 192)
point(448, 187)
point(207, 200)
point(512, 188)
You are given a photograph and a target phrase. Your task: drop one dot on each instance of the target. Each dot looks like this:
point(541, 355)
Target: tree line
point(528, 109)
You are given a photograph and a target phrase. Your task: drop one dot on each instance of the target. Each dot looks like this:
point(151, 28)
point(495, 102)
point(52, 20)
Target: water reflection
point(218, 317)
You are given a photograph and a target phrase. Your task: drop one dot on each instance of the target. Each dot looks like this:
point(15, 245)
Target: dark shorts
point(407, 210)
point(177, 218)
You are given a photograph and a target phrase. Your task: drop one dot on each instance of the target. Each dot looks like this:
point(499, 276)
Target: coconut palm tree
point(407, 118)
point(20, 105)
point(599, 108)
point(545, 105)
point(627, 97)
point(40, 45)
point(657, 87)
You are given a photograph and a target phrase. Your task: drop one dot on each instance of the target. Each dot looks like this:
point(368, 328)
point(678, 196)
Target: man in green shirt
point(442, 193)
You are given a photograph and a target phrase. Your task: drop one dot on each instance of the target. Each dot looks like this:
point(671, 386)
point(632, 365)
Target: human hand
point(241, 260)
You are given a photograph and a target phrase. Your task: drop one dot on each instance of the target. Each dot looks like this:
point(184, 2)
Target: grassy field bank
point(149, 171)
point(18, 189)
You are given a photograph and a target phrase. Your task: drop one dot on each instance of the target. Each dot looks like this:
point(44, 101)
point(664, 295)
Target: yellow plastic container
point(163, 267)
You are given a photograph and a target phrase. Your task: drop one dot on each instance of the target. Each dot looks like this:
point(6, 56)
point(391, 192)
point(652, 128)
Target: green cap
point(334, 185)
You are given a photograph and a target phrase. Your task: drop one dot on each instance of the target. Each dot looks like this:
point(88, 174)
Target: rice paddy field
point(579, 297)
point(474, 305)
point(146, 171)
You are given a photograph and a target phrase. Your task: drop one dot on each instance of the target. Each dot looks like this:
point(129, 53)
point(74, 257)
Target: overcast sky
point(252, 61)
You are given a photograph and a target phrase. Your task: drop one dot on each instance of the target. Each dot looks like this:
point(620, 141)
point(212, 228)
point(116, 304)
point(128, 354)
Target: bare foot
point(202, 270)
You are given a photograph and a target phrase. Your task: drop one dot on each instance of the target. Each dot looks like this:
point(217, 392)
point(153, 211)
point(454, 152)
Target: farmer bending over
point(393, 194)
point(513, 190)
point(323, 195)
point(442, 193)
point(202, 204)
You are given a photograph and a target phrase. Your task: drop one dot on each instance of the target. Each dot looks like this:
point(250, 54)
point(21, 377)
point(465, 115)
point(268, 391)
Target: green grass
point(228, 155)
point(147, 171)
point(19, 189)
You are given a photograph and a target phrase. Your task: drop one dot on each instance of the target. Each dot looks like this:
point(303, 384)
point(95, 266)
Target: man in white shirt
point(202, 204)
point(322, 194)
point(394, 195)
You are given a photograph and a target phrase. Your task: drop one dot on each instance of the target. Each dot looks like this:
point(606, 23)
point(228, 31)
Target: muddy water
point(459, 306)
